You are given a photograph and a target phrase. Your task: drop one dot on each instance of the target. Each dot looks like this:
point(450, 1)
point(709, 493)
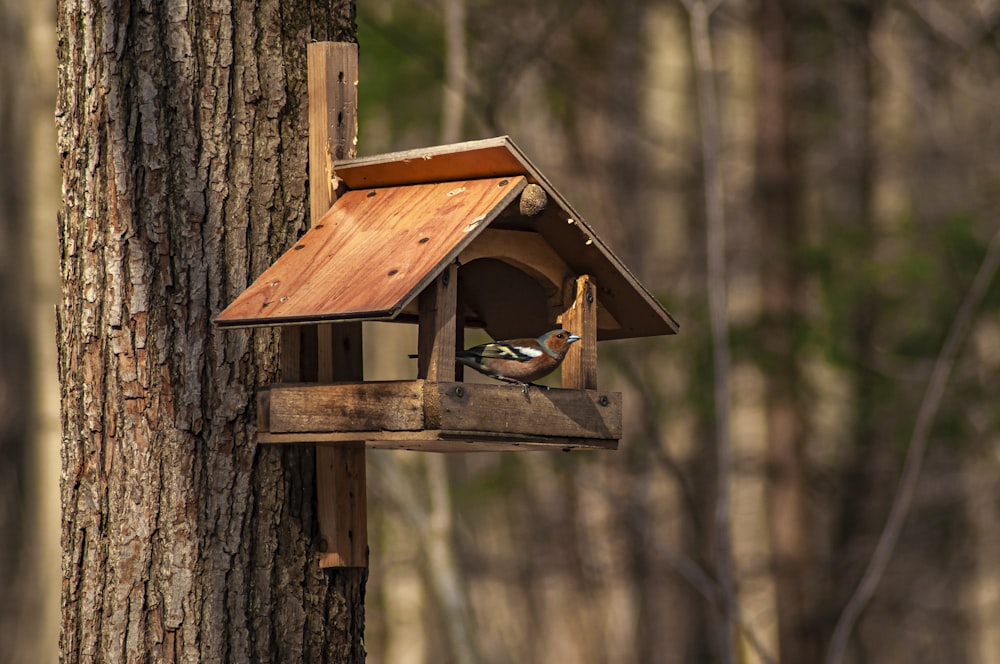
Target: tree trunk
point(182, 136)
point(779, 209)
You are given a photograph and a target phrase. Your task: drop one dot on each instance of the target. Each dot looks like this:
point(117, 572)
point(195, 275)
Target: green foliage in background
point(401, 69)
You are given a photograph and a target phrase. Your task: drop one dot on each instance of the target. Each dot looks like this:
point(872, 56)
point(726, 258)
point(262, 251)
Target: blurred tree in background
point(29, 287)
point(858, 151)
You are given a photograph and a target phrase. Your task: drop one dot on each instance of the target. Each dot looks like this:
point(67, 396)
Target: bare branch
point(903, 499)
point(705, 586)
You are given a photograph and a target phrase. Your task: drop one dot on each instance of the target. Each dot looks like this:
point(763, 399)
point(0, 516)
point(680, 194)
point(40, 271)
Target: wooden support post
point(341, 490)
point(341, 484)
point(333, 117)
point(579, 369)
point(459, 333)
point(437, 326)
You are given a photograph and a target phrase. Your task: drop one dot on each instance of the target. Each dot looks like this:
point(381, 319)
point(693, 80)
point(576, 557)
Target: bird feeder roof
point(402, 218)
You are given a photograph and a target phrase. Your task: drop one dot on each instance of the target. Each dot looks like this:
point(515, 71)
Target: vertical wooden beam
point(459, 333)
point(579, 369)
point(437, 327)
point(341, 490)
point(341, 482)
point(332, 83)
point(290, 361)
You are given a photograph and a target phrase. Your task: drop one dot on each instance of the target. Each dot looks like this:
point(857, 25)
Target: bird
point(519, 361)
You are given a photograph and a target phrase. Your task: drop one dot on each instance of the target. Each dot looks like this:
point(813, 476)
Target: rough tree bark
point(182, 138)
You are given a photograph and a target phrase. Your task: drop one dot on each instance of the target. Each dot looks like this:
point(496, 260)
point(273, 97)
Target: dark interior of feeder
point(504, 300)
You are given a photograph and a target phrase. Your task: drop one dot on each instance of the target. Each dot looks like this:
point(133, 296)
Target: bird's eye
point(560, 335)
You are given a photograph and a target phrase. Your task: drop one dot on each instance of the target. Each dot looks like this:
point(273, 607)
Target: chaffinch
point(519, 361)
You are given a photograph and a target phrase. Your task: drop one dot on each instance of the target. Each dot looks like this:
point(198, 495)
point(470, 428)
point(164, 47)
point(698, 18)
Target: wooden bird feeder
point(449, 237)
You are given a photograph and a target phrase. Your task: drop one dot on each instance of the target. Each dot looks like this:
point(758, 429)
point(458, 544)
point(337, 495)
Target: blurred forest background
point(853, 154)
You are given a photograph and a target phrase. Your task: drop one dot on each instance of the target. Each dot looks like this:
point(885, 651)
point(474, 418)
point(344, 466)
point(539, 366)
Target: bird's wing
point(505, 350)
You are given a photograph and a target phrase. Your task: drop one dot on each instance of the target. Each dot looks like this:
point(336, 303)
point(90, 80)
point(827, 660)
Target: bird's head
point(557, 342)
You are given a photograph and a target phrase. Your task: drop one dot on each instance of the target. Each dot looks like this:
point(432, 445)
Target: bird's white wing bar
point(506, 351)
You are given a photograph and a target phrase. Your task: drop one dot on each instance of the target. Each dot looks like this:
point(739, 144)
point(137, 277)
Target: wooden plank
point(353, 410)
point(391, 405)
point(289, 362)
point(341, 484)
point(332, 85)
point(460, 317)
point(579, 368)
point(341, 489)
point(433, 440)
point(342, 505)
point(340, 352)
point(486, 158)
point(506, 409)
point(436, 334)
point(372, 253)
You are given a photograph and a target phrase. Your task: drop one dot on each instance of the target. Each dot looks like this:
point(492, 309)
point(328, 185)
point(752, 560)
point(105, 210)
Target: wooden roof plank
point(372, 253)
point(487, 158)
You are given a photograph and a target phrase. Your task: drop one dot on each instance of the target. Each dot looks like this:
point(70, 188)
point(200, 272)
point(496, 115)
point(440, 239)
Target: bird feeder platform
point(449, 237)
point(433, 416)
point(456, 236)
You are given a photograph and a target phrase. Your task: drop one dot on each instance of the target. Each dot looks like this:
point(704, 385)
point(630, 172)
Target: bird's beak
point(572, 338)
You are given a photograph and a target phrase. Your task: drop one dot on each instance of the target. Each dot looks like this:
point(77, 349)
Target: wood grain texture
point(486, 158)
point(341, 485)
point(579, 368)
point(437, 332)
point(396, 405)
point(333, 117)
point(373, 252)
point(384, 410)
point(341, 490)
point(342, 497)
point(506, 409)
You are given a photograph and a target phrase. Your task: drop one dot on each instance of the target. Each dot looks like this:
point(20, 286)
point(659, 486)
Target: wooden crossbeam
point(456, 417)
